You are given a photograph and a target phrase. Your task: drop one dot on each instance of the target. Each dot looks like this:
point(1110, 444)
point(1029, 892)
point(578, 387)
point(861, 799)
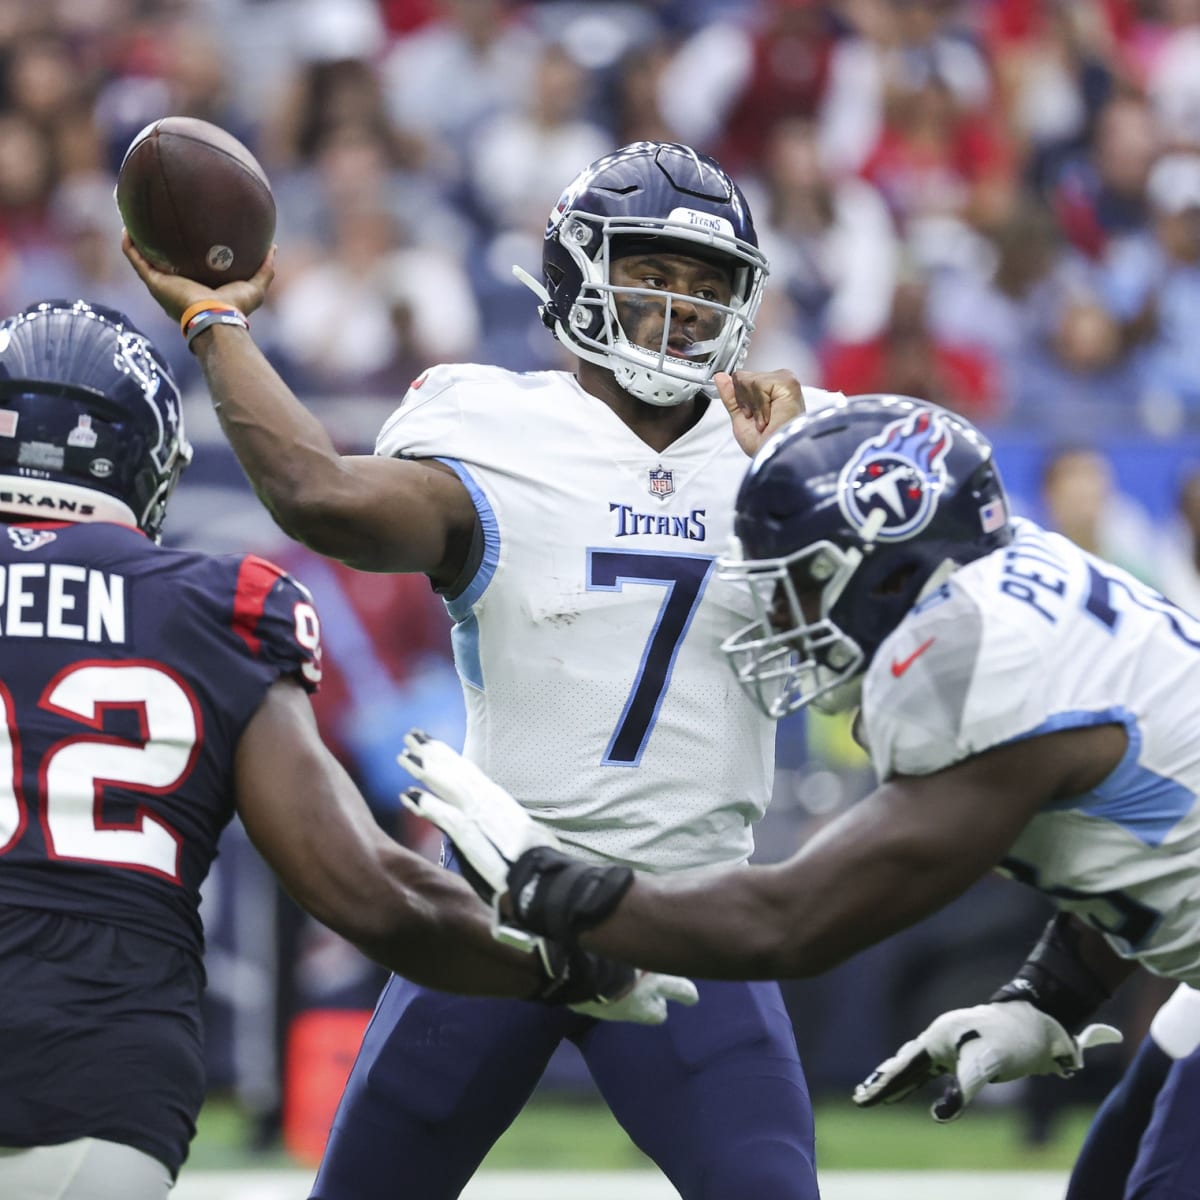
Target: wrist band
point(213, 303)
point(201, 316)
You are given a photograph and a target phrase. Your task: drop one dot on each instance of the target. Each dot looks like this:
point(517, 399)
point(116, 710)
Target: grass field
point(584, 1137)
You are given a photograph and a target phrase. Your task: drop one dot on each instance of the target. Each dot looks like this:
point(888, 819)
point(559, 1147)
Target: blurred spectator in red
point(1099, 193)
point(889, 41)
point(770, 62)
point(516, 160)
point(27, 178)
point(907, 358)
point(941, 167)
point(831, 242)
point(403, 16)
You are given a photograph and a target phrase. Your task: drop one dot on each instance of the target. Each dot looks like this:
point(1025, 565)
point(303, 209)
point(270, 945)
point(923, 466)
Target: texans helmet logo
point(901, 472)
point(29, 539)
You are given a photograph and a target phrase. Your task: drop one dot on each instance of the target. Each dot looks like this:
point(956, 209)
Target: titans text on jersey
point(690, 526)
point(617, 591)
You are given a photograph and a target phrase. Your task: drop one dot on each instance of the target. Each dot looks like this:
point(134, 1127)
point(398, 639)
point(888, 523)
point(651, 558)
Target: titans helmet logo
point(901, 472)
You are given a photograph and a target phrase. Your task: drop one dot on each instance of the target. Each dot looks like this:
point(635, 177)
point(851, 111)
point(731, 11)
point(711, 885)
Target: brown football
point(195, 199)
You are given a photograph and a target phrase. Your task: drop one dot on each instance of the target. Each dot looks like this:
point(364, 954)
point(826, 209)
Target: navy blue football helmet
point(847, 518)
point(90, 419)
point(648, 194)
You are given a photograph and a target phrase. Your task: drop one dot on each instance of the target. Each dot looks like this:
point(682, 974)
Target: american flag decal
point(992, 516)
point(662, 483)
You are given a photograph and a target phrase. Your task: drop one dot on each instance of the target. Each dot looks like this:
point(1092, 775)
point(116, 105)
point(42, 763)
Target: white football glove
point(990, 1043)
point(488, 827)
point(491, 831)
point(646, 1002)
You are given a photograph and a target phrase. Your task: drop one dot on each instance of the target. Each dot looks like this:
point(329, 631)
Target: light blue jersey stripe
point(464, 637)
point(1141, 801)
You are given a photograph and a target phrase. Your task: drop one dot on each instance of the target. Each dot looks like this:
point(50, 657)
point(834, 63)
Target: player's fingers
point(950, 1106)
point(677, 989)
point(419, 802)
point(262, 278)
point(904, 1072)
point(727, 391)
point(976, 1067)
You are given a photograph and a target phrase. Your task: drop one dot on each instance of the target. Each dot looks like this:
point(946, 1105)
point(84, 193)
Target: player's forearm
point(434, 931)
point(855, 883)
point(285, 451)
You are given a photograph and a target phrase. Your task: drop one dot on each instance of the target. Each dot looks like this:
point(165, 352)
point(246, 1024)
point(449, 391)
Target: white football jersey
point(1039, 637)
point(588, 640)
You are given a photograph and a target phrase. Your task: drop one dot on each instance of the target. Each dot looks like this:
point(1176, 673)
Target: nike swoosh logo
point(899, 667)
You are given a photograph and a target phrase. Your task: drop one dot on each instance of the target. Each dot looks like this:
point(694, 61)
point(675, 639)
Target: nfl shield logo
point(662, 484)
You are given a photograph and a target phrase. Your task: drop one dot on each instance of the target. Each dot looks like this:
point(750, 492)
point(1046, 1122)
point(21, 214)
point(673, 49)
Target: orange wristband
point(210, 304)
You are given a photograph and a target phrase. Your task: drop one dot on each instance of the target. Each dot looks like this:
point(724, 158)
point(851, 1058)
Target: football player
point(572, 522)
point(1027, 706)
point(146, 696)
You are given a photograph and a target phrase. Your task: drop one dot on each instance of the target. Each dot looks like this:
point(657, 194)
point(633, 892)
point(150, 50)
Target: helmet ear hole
point(896, 582)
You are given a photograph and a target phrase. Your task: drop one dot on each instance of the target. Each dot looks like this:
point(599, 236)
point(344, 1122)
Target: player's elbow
point(324, 513)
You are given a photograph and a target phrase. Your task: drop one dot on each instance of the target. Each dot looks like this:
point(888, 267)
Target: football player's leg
point(1115, 1135)
point(716, 1096)
point(85, 1169)
point(1168, 1161)
point(437, 1080)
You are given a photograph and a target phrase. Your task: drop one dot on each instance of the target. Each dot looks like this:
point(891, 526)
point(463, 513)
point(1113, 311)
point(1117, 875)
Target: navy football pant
point(1144, 1144)
point(716, 1096)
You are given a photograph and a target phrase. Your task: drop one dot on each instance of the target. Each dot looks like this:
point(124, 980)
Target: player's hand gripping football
point(990, 1043)
point(759, 403)
point(175, 294)
point(491, 833)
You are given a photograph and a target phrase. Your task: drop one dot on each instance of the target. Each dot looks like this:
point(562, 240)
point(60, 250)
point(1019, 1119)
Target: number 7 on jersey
point(684, 577)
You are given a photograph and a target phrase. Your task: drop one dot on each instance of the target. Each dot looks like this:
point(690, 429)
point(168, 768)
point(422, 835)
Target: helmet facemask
point(786, 659)
point(592, 328)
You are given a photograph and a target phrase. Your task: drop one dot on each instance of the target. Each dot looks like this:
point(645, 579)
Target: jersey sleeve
point(952, 680)
point(428, 422)
point(816, 398)
point(276, 621)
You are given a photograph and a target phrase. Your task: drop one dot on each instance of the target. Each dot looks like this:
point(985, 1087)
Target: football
point(195, 200)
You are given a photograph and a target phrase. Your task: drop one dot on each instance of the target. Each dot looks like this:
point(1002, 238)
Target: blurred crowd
point(991, 203)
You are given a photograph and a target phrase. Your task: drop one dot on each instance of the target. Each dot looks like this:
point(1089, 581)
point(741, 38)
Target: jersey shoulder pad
point(442, 411)
point(955, 678)
point(275, 619)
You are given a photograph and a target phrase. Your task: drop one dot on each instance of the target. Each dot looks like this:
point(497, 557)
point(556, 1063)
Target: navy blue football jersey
point(127, 675)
